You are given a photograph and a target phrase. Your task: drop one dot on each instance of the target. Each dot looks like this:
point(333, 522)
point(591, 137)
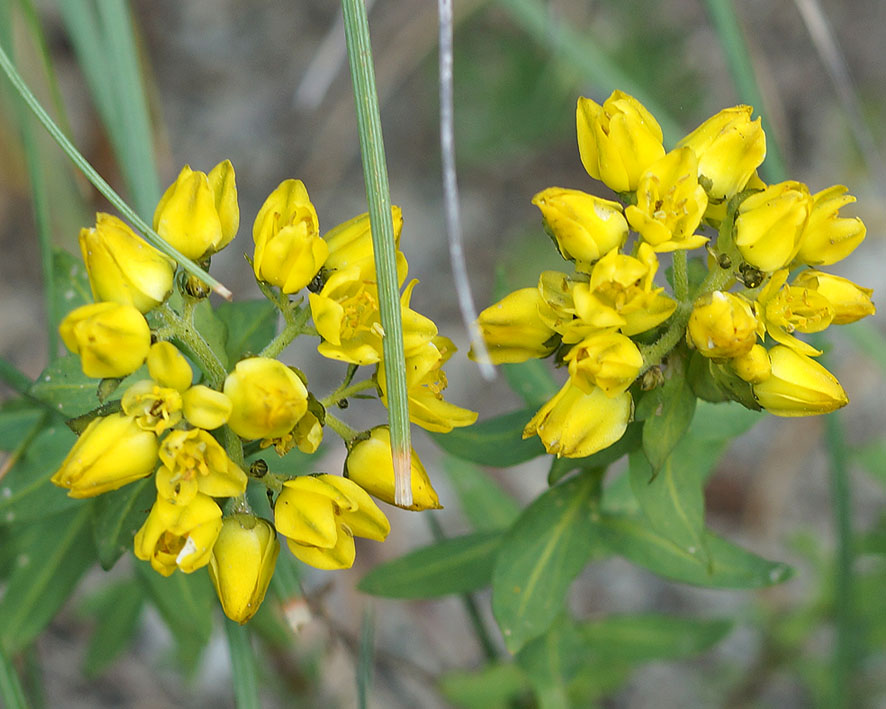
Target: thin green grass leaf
point(243, 666)
point(11, 691)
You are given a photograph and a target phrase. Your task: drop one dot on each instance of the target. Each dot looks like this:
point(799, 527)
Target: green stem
point(343, 392)
point(346, 433)
point(378, 196)
point(10, 375)
point(681, 276)
point(191, 338)
point(294, 327)
point(11, 691)
point(243, 665)
point(98, 181)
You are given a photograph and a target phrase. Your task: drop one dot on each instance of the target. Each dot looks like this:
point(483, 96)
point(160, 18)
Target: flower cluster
point(609, 323)
point(189, 432)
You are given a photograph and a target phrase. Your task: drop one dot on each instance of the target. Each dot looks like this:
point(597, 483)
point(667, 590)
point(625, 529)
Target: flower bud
point(206, 408)
point(618, 140)
point(723, 325)
point(198, 214)
point(193, 461)
point(770, 224)
point(798, 386)
point(123, 268)
point(584, 226)
point(168, 367)
point(730, 147)
point(608, 360)
point(350, 244)
point(513, 329)
point(179, 536)
point(828, 238)
point(112, 452)
point(112, 340)
point(267, 398)
point(242, 563)
point(370, 464)
point(850, 302)
point(288, 249)
point(575, 424)
point(670, 203)
point(753, 366)
point(321, 514)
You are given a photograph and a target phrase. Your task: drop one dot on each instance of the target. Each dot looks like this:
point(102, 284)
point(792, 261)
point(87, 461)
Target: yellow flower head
point(621, 295)
point(723, 325)
point(788, 309)
point(112, 339)
point(798, 386)
point(123, 268)
point(575, 424)
point(321, 514)
point(370, 464)
point(242, 564)
point(670, 203)
point(584, 226)
point(513, 329)
point(306, 435)
point(112, 452)
point(350, 244)
point(425, 384)
point(770, 224)
point(194, 462)
point(753, 366)
point(267, 398)
point(179, 536)
point(618, 140)
point(851, 302)
point(730, 147)
point(198, 214)
point(606, 360)
point(828, 238)
point(288, 249)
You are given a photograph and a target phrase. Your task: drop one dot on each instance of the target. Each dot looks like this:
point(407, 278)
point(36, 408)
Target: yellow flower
point(153, 407)
point(206, 408)
point(321, 514)
point(788, 309)
point(753, 366)
point(242, 563)
point(194, 462)
point(179, 536)
point(123, 268)
point(851, 302)
point(770, 224)
point(798, 386)
point(828, 238)
point(111, 339)
point(307, 434)
point(670, 203)
point(620, 294)
point(346, 314)
point(425, 383)
point(168, 367)
point(730, 147)
point(606, 360)
point(350, 244)
point(618, 140)
point(513, 329)
point(575, 424)
point(112, 452)
point(370, 464)
point(198, 213)
point(723, 325)
point(268, 398)
point(288, 249)
point(584, 226)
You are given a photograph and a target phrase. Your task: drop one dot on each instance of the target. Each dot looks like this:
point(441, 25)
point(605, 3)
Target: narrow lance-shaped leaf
point(496, 442)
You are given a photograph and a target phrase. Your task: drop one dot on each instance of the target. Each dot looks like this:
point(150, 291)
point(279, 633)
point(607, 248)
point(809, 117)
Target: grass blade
point(243, 669)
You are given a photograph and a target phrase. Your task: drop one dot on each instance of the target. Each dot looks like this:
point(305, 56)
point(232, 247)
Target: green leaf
point(497, 442)
point(52, 555)
point(455, 565)
point(532, 381)
point(250, 325)
point(185, 601)
point(551, 661)
point(212, 328)
point(18, 418)
point(629, 442)
point(665, 427)
point(673, 500)
point(71, 283)
point(495, 686)
point(244, 669)
point(117, 609)
point(117, 516)
point(539, 557)
point(640, 638)
point(723, 421)
point(729, 567)
point(26, 493)
point(486, 506)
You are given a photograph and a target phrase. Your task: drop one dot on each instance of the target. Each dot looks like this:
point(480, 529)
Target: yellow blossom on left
point(112, 339)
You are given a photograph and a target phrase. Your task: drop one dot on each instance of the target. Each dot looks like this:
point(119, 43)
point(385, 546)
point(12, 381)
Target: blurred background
point(266, 85)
